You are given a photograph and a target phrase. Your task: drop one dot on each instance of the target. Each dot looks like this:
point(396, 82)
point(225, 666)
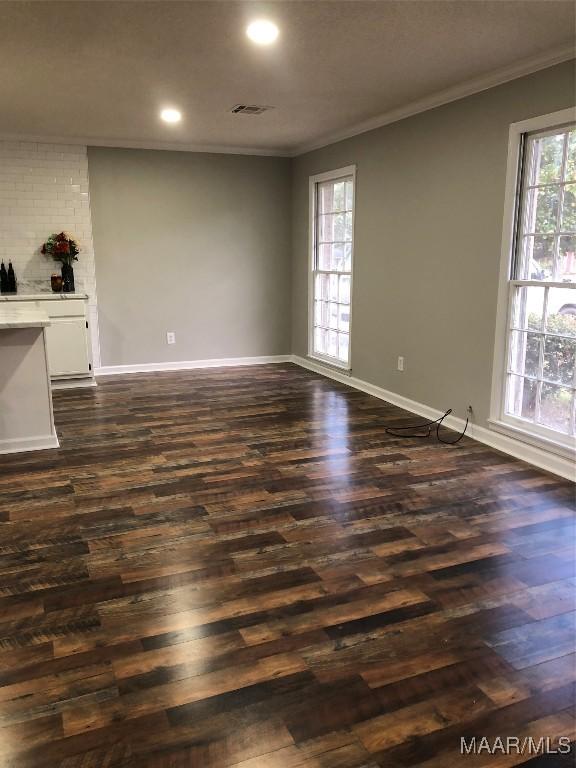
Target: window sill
point(538, 441)
point(330, 363)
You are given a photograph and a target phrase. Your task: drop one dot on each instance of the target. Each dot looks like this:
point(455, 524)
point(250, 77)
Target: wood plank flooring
point(239, 568)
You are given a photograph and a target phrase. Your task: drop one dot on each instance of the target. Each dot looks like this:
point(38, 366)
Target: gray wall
point(428, 228)
point(198, 244)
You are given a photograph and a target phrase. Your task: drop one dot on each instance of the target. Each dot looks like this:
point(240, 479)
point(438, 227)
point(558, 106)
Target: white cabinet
point(67, 338)
point(67, 347)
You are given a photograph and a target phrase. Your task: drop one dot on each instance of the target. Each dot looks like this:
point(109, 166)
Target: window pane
point(555, 407)
point(348, 257)
point(344, 317)
point(325, 197)
point(542, 210)
point(339, 196)
point(568, 223)
point(559, 355)
point(349, 195)
point(332, 344)
point(321, 313)
point(326, 228)
point(567, 258)
point(333, 316)
point(547, 159)
point(537, 258)
point(320, 341)
point(561, 314)
point(344, 289)
point(317, 313)
point(348, 227)
point(337, 263)
point(521, 399)
point(321, 287)
point(333, 291)
point(528, 308)
point(324, 256)
point(343, 343)
point(525, 353)
point(331, 227)
point(335, 257)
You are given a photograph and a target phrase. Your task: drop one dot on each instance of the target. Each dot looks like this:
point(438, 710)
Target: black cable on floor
point(429, 426)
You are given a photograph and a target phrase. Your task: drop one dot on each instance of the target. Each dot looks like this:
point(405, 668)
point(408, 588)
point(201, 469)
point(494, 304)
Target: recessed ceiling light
point(171, 115)
point(262, 32)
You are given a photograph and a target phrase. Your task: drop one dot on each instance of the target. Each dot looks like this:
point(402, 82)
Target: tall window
point(332, 224)
point(540, 371)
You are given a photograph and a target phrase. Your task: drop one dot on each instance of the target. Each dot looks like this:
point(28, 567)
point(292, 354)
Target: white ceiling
point(101, 71)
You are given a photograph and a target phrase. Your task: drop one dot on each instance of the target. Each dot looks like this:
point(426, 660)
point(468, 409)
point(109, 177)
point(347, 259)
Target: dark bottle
point(3, 279)
point(11, 278)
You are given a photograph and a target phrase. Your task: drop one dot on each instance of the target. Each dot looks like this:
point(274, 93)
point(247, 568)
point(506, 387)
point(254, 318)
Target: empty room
point(287, 383)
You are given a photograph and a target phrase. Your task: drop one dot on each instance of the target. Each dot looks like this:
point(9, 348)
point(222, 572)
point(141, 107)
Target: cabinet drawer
point(65, 308)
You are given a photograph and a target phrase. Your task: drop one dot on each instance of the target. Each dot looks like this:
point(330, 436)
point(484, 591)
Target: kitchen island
point(26, 417)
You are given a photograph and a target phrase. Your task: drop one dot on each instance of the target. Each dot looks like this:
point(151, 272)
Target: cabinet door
point(67, 343)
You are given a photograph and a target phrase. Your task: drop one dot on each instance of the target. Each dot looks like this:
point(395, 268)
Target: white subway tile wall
point(44, 190)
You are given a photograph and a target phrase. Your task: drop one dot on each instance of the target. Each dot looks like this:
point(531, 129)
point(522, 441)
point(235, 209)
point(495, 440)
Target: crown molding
point(438, 99)
point(90, 141)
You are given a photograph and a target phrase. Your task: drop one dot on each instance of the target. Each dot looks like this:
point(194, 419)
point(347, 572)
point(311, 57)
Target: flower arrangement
point(62, 248)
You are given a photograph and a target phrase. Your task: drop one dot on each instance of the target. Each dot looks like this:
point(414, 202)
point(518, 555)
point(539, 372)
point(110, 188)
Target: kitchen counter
point(41, 296)
point(20, 317)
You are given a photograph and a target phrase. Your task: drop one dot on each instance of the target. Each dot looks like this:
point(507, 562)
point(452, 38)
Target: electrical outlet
point(400, 363)
point(170, 337)
point(469, 410)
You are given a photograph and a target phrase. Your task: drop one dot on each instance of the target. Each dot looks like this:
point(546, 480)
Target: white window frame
point(520, 429)
point(349, 170)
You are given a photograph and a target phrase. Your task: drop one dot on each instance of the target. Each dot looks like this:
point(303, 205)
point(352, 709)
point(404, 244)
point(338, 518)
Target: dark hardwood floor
point(238, 567)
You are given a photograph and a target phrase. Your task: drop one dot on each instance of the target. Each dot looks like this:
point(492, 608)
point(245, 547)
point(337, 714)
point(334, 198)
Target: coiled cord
point(429, 426)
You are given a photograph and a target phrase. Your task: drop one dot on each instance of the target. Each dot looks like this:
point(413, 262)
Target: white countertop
point(42, 296)
point(20, 317)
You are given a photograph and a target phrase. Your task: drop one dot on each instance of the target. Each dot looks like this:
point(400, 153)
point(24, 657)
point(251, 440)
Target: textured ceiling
point(103, 70)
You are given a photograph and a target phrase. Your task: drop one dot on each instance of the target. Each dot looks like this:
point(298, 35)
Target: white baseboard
point(188, 365)
point(21, 444)
point(72, 383)
point(531, 454)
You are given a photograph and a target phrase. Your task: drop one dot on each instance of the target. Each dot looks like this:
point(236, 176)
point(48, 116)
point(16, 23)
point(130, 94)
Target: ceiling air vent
point(249, 109)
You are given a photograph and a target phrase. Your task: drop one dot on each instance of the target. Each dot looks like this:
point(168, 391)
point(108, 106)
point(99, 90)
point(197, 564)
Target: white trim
point(92, 307)
point(188, 365)
point(541, 122)
point(331, 362)
point(21, 444)
point(531, 454)
point(498, 390)
point(438, 99)
point(72, 383)
point(318, 178)
point(519, 432)
point(53, 436)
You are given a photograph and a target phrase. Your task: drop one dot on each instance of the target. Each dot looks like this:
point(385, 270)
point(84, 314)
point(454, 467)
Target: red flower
point(43, 249)
point(62, 246)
